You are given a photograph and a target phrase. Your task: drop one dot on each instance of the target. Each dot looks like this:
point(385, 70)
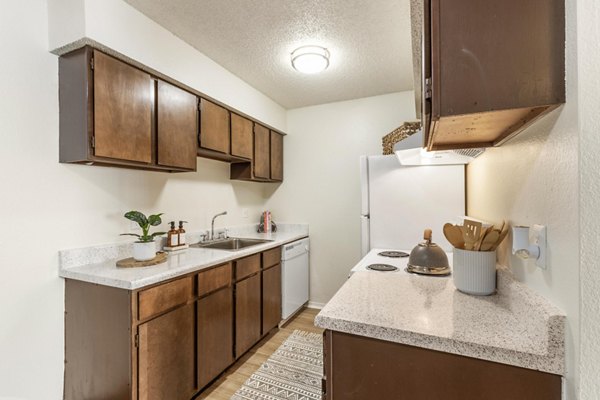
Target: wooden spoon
point(490, 240)
point(501, 238)
point(483, 234)
point(454, 236)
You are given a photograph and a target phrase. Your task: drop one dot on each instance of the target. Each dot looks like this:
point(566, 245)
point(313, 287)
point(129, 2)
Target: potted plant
point(144, 248)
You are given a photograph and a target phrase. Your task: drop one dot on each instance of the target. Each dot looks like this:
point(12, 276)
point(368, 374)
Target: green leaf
point(138, 217)
point(155, 220)
point(158, 234)
point(130, 234)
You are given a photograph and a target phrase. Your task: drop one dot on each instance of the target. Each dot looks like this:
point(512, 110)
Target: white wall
point(47, 206)
point(322, 185)
point(534, 179)
point(589, 104)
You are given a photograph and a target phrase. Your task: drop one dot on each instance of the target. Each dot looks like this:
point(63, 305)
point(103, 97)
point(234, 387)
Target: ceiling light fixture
point(310, 59)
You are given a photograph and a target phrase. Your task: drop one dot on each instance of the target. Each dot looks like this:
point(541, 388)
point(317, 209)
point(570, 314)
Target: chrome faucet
point(212, 225)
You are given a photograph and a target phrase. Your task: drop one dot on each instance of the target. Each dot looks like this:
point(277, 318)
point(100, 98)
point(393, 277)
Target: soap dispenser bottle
point(181, 233)
point(173, 236)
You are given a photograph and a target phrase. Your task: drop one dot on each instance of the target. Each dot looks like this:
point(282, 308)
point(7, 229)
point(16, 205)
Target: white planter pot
point(474, 272)
point(144, 251)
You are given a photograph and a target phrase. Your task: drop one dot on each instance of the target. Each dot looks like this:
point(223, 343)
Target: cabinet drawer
point(247, 266)
point(271, 257)
point(155, 300)
point(213, 279)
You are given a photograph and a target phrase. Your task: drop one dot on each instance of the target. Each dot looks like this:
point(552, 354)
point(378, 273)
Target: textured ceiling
point(369, 42)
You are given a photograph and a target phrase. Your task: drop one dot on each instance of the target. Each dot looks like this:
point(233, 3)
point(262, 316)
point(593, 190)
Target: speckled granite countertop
point(98, 264)
point(516, 326)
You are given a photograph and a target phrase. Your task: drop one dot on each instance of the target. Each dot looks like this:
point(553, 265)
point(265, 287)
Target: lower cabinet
point(361, 368)
point(215, 335)
point(166, 364)
point(271, 297)
point(170, 340)
point(247, 314)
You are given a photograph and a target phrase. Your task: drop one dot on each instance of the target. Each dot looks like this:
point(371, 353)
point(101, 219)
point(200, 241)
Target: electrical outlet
point(245, 212)
point(133, 226)
point(539, 238)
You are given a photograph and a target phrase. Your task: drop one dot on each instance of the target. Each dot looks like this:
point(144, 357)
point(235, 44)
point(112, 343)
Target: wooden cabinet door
point(247, 314)
point(214, 127)
point(262, 154)
point(276, 156)
point(123, 103)
point(166, 360)
point(271, 298)
point(177, 127)
point(241, 137)
point(215, 335)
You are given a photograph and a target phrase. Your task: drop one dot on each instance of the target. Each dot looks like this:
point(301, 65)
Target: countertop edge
point(543, 363)
point(72, 273)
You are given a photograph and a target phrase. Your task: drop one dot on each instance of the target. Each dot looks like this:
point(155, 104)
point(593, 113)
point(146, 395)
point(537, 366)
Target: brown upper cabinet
point(488, 68)
point(241, 137)
point(113, 113)
point(262, 154)
point(123, 103)
point(177, 125)
point(214, 127)
point(276, 156)
point(267, 160)
point(108, 115)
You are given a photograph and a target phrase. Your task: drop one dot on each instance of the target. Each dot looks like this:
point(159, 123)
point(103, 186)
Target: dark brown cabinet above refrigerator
point(485, 70)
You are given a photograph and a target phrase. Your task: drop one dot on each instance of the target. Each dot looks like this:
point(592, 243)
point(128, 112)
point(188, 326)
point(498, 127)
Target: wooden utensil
point(454, 236)
point(490, 240)
point(501, 238)
point(484, 233)
point(471, 233)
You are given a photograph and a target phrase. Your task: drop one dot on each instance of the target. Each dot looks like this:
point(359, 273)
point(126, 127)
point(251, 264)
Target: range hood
point(410, 151)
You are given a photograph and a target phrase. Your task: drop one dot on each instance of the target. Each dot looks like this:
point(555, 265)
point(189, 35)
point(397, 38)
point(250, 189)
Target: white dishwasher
point(294, 277)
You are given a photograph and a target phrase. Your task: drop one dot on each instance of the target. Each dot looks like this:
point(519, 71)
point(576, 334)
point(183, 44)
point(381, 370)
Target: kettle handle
point(427, 234)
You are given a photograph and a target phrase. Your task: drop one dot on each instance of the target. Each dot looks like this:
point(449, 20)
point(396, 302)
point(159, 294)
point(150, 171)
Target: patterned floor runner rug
point(293, 372)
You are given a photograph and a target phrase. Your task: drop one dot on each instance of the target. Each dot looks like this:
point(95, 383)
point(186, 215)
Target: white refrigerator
point(400, 202)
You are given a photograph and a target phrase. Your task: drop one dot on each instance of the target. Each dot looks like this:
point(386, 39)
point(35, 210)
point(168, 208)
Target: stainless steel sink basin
point(230, 244)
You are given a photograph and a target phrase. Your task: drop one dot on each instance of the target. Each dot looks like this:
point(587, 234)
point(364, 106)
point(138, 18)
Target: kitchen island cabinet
point(362, 368)
point(439, 342)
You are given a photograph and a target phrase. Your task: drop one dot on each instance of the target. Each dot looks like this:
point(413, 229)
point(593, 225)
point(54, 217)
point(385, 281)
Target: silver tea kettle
point(428, 258)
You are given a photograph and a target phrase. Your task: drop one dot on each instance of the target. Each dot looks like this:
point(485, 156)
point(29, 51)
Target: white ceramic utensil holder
point(474, 272)
point(144, 251)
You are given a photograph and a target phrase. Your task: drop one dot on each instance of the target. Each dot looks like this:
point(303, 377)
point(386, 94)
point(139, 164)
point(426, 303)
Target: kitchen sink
point(231, 244)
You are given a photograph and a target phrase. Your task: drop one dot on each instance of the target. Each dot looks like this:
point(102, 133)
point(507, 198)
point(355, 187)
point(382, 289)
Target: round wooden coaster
point(160, 258)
